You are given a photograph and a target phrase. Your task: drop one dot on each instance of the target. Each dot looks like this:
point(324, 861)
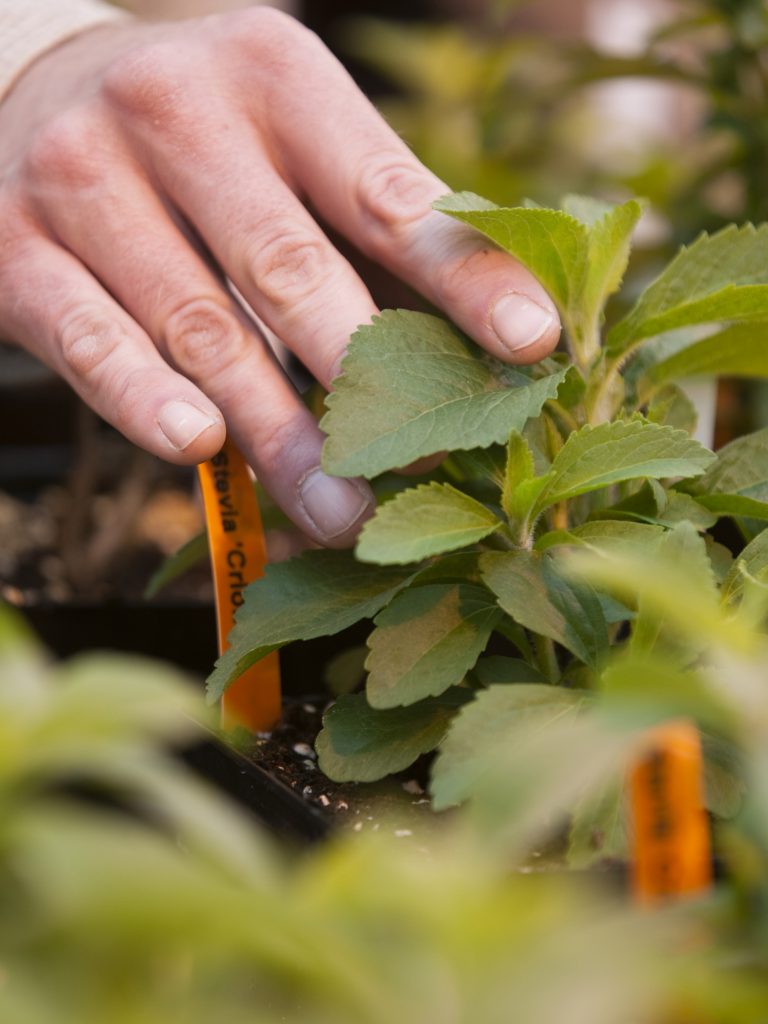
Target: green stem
point(547, 658)
point(559, 516)
point(588, 346)
point(521, 533)
point(599, 408)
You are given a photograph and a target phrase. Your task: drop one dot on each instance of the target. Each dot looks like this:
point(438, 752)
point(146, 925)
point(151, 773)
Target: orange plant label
point(672, 856)
point(238, 557)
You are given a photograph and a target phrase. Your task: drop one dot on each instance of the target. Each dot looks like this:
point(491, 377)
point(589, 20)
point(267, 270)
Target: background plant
point(508, 113)
point(158, 902)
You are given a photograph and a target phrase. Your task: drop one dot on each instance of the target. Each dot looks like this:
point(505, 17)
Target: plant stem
point(559, 516)
point(547, 658)
point(587, 345)
point(600, 409)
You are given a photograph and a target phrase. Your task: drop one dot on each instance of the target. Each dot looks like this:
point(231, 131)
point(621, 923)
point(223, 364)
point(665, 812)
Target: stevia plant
point(590, 449)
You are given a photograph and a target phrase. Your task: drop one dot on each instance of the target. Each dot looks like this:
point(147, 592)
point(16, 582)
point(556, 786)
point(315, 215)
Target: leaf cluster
point(469, 576)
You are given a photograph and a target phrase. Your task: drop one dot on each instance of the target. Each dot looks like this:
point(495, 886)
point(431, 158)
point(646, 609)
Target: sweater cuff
point(30, 27)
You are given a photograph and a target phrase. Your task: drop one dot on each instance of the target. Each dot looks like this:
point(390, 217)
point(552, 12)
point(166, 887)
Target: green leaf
point(550, 243)
point(741, 350)
point(753, 559)
point(647, 688)
point(413, 385)
point(674, 585)
point(650, 690)
point(724, 786)
point(317, 594)
point(346, 670)
point(531, 588)
point(426, 641)
point(682, 548)
point(607, 254)
point(599, 830)
point(736, 505)
point(479, 465)
point(574, 387)
point(422, 521)
point(519, 469)
point(102, 697)
point(579, 254)
point(681, 508)
point(720, 558)
point(529, 785)
point(361, 744)
point(494, 720)
point(654, 505)
point(594, 457)
point(605, 536)
point(188, 555)
point(458, 567)
point(671, 407)
point(741, 468)
point(496, 669)
point(719, 277)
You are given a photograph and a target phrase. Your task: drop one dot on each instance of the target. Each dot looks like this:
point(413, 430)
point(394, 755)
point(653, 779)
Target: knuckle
point(395, 193)
point(272, 33)
point(467, 269)
point(279, 442)
point(131, 396)
point(145, 83)
point(66, 150)
point(87, 338)
point(289, 267)
point(203, 338)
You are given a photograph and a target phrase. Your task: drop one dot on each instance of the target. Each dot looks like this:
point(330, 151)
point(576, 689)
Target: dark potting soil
point(398, 804)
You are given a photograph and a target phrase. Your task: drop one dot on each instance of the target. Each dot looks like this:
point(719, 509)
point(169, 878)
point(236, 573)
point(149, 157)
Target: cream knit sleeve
point(30, 27)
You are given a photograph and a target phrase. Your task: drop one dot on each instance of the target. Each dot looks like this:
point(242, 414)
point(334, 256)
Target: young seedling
point(591, 449)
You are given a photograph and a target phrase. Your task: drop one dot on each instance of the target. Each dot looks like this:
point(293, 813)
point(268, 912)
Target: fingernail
point(333, 505)
point(182, 423)
point(519, 321)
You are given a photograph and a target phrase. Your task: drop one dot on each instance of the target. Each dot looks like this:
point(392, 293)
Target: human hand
point(143, 165)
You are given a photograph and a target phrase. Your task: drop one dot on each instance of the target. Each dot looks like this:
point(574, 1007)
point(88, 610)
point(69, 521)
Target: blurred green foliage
point(507, 114)
point(159, 902)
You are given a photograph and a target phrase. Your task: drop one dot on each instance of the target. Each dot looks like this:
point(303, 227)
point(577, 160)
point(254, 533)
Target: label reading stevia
point(238, 557)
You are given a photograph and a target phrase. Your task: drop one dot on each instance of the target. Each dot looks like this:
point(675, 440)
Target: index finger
point(364, 180)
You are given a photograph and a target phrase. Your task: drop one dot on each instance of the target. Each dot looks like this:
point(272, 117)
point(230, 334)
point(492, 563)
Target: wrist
point(29, 30)
point(75, 64)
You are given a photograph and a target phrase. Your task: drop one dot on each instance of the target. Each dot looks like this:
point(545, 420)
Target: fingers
point(127, 239)
point(280, 260)
point(277, 434)
point(269, 112)
point(290, 111)
point(364, 180)
point(257, 230)
point(52, 305)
